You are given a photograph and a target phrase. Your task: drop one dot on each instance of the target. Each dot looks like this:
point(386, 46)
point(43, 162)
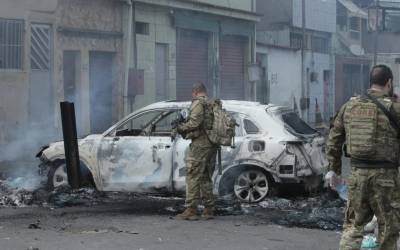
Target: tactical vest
point(369, 135)
point(207, 122)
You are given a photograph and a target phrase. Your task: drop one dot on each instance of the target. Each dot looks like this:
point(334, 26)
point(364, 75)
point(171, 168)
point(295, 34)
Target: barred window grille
point(11, 43)
point(40, 47)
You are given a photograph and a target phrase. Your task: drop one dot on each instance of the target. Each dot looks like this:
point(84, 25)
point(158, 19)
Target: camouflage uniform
point(200, 161)
point(373, 185)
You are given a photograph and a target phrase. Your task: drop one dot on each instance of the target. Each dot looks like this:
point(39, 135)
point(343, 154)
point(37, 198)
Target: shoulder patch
point(387, 99)
point(353, 98)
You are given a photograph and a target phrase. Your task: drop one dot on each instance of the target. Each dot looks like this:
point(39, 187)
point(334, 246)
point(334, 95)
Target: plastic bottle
point(341, 189)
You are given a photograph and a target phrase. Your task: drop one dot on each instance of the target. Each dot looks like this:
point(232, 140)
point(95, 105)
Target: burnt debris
point(324, 211)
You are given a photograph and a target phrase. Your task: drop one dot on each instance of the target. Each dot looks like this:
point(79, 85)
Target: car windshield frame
point(133, 115)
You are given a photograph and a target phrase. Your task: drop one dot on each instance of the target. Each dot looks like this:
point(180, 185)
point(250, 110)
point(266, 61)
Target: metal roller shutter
point(232, 51)
point(191, 61)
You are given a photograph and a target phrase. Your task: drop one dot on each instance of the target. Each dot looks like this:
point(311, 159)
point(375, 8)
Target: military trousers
point(372, 192)
point(200, 166)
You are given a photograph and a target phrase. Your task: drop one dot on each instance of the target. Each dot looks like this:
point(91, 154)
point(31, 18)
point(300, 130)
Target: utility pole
point(303, 105)
point(376, 32)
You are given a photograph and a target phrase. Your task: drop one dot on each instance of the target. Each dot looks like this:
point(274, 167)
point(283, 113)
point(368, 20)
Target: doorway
point(41, 108)
point(161, 70)
point(100, 78)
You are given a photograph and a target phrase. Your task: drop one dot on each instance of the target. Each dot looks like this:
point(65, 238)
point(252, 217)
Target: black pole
point(70, 143)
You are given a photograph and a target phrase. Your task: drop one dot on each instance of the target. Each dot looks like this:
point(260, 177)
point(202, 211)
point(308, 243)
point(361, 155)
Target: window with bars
point(11, 43)
point(355, 28)
point(320, 44)
point(296, 40)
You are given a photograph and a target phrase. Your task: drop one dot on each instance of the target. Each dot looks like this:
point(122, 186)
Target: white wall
point(284, 75)
point(18, 9)
point(320, 15)
point(160, 31)
point(284, 79)
point(317, 62)
point(234, 4)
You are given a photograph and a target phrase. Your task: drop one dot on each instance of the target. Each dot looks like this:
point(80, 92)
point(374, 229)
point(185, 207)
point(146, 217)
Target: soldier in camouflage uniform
point(200, 161)
point(373, 145)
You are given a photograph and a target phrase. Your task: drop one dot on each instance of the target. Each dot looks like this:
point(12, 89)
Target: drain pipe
point(128, 53)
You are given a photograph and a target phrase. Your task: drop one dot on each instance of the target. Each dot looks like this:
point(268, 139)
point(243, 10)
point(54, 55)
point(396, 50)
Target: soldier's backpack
point(218, 123)
point(365, 123)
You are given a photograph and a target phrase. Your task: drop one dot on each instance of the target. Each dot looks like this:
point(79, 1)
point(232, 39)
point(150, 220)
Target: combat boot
point(188, 214)
point(208, 213)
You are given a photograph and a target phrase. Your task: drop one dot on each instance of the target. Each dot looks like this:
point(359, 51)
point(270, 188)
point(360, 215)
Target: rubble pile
point(13, 196)
point(322, 212)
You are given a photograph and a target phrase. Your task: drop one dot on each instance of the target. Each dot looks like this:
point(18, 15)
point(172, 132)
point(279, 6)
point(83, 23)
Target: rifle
point(175, 123)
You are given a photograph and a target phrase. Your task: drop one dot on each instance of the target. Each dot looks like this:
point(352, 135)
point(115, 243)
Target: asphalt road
point(127, 227)
point(147, 224)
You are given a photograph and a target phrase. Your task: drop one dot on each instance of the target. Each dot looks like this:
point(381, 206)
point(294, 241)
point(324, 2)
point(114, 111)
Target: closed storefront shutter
point(191, 61)
point(232, 52)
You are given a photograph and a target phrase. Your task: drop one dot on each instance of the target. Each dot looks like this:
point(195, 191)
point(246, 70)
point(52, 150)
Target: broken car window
point(163, 126)
point(250, 127)
point(296, 124)
point(136, 125)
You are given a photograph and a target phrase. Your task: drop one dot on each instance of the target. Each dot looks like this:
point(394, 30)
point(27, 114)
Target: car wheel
point(57, 176)
point(251, 186)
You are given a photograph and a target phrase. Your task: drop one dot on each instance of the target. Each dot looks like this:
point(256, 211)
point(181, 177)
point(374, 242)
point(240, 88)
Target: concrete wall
point(274, 12)
point(14, 84)
point(283, 85)
point(101, 15)
point(160, 31)
point(317, 62)
point(284, 79)
point(104, 15)
point(280, 37)
point(13, 103)
point(320, 15)
point(245, 5)
point(387, 42)
point(18, 9)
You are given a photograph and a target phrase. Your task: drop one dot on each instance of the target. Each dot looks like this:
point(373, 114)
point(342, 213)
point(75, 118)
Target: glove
point(333, 179)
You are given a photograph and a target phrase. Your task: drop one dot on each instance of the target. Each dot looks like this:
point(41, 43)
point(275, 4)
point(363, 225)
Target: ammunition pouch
point(361, 163)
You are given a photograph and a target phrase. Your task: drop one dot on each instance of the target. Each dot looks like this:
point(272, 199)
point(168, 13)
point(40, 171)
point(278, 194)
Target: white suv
point(272, 145)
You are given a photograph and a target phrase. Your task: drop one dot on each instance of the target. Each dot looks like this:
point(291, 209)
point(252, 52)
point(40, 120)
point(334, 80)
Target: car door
point(137, 155)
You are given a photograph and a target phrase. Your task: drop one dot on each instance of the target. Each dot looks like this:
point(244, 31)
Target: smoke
point(19, 167)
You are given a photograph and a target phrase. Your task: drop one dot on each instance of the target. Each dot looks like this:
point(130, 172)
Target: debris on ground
point(35, 225)
point(322, 212)
point(325, 211)
point(14, 197)
point(33, 248)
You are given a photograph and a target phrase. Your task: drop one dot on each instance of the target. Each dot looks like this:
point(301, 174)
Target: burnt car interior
point(153, 123)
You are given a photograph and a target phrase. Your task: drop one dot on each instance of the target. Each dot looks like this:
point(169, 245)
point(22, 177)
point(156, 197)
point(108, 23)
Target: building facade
point(111, 57)
point(177, 43)
point(301, 46)
point(351, 62)
point(382, 36)
point(52, 51)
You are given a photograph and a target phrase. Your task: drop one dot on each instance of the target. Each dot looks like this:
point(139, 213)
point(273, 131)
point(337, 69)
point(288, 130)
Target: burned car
point(273, 146)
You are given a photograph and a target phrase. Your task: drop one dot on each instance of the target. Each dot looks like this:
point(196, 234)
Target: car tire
point(252, 185)
point(57, 175)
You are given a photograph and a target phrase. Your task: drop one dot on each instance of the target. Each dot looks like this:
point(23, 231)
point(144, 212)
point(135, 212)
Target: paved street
point(134, 227)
